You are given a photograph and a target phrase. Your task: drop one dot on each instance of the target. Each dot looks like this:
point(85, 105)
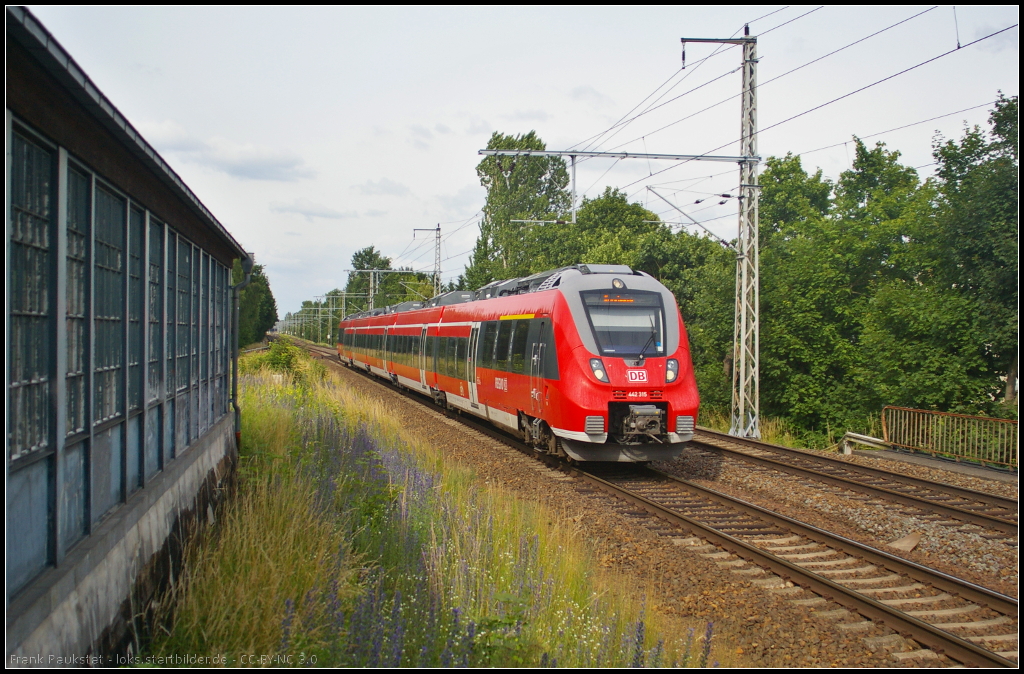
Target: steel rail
point(963, 492)
point(989, 521)
point(991, 598)
point(935, 638)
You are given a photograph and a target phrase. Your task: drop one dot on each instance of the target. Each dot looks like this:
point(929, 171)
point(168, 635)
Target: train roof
point(545, 280)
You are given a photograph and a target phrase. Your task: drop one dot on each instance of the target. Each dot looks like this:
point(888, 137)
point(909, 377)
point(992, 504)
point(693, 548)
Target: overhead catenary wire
point(720, 49)
point(837, 99)
point(898, 128)
point(777, 77)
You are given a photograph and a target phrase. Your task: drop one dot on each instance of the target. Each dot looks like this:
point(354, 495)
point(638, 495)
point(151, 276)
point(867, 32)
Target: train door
point(474, 336)
point(423, 357)
point(537, 355)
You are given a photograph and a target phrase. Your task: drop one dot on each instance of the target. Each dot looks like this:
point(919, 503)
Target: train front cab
point(628, 391)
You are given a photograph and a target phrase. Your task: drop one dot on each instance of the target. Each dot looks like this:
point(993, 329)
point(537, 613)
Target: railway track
point(845, 580)
point(858, 586)
point(943, 503)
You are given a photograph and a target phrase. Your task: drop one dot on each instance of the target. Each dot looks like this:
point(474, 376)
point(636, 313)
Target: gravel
point(959, 550)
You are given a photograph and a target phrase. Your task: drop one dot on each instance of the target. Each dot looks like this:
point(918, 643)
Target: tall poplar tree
point(518, 188)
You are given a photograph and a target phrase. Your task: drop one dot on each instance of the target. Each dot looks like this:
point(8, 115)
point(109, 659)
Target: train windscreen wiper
point(650, 341)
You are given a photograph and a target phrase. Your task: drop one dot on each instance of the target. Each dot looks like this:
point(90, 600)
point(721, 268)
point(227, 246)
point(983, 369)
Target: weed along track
point(793, 593)
point(946, 504)
point(840, 578)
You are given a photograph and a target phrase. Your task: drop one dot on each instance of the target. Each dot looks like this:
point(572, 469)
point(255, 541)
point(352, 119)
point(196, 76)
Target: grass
point(773, 430)
point(352, 543)
point(781, 431)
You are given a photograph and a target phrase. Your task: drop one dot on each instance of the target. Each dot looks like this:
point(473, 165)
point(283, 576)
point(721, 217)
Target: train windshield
point(626, 324)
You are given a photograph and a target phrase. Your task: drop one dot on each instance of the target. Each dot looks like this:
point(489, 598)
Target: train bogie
point(587, 362)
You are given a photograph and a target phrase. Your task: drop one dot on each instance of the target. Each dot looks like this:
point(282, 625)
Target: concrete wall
point(87, 606)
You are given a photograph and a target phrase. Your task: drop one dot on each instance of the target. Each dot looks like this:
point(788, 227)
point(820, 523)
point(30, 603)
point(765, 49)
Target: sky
point(312, 133)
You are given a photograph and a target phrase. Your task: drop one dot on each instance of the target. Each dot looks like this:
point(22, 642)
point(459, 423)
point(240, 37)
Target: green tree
point(922, 346)
point(608, 230)
point(390, 288)
point(257, 308)
point(973, 247)
point(518, 188)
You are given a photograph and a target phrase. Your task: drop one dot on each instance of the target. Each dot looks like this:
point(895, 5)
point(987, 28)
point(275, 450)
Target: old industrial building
point(119, 358)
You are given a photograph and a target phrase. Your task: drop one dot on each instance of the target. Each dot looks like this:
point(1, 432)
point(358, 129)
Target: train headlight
point(671, 370)
point(598, 368)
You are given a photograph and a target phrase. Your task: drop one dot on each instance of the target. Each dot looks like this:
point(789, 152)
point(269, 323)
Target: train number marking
point(501, 383)
point(637, 375)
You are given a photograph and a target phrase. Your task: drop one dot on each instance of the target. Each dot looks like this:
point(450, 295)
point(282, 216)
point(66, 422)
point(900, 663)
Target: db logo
point(637, 375)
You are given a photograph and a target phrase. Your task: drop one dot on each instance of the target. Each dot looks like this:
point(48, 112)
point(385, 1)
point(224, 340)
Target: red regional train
point(590, 361)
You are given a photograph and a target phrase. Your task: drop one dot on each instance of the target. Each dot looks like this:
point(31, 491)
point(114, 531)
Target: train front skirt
point(609, 451)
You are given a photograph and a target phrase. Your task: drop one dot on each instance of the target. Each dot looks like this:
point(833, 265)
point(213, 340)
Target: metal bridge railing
point(958, 436)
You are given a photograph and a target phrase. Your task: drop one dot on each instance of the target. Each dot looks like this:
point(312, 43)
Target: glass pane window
point(184, 310)
point(628, 323)
point(156, 310)
point(108, 315)
point(136, 246)
point(29, 280)
point(77, 297)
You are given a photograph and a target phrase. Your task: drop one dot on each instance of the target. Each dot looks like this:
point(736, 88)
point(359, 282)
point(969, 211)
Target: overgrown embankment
point(350, 543)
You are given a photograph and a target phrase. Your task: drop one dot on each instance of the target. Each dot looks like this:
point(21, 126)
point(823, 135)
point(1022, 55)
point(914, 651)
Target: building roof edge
point(27, 30)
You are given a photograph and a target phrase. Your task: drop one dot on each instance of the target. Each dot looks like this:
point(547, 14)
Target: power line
point(834, 100)
point(765, 16)
point(720, 49)
point(765, 32)
point(789, 72)
point(905, 126)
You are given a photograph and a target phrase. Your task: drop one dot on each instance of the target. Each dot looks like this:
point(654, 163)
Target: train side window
point(461, 346)
point(547, 337)
point(442, 355)
point(517, 352)
point(501, 345)
point(488, 333)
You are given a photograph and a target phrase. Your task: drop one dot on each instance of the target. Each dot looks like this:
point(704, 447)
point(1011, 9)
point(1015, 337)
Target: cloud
point(310, 210)
point(375, 213)
point(241, 160)
point(169, 136)
point(254, 162)
point(420, 136)
point(529, 116)
point(478, 126)
point(421, 132)
point(592, 96)
point(1003, 41)
point(467, 200)
point(383, 186)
